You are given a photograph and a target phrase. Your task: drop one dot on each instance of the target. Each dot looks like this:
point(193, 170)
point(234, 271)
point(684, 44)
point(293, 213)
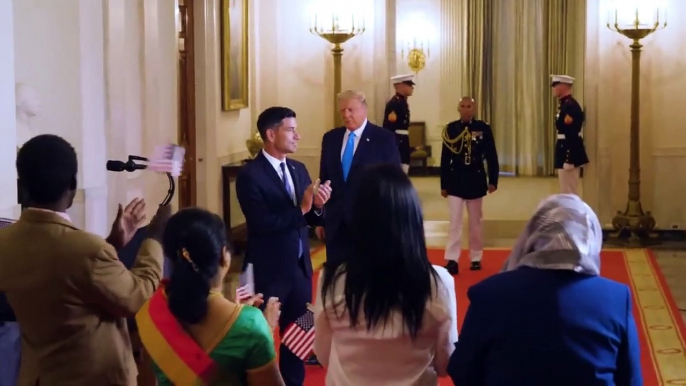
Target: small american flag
point(167, 159)
point(299, 335)
point(4, 222)
point(243, 293)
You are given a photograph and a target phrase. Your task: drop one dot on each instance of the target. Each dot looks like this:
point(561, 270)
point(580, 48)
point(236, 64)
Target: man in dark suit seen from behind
point(346, 151)
point(279, 202)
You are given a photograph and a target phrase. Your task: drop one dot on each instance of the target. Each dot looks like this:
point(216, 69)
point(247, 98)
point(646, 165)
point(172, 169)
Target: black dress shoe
point(476, 266)
point(452, 267)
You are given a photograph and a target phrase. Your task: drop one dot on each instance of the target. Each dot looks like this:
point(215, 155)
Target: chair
point(419, 151)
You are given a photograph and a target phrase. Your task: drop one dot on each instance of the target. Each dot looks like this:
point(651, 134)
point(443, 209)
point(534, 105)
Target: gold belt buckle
point(467, 160)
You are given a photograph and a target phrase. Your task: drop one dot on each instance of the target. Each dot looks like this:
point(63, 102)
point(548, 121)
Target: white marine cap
point(403, 79)
point(561, 79)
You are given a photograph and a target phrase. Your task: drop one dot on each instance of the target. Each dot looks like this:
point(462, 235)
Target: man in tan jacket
point(68, 289)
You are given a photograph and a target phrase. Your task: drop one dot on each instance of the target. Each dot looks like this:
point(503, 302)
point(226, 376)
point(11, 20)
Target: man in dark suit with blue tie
point(345, 151)
point(279, 202)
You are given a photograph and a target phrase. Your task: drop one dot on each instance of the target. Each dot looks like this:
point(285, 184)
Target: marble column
point(93, 150)
point(160, 52)
point(8, 126)
point(384, 55)
point(125, 101)
point(66, 38)
point(587, 91)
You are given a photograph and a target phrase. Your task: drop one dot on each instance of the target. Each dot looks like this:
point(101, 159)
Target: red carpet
point(660, 327)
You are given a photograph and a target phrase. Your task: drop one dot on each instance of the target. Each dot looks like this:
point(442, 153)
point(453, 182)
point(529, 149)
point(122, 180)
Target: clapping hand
point(322, 195)
point(308, 199)
point(255, 300)
point(272, 312)
point(127, 222)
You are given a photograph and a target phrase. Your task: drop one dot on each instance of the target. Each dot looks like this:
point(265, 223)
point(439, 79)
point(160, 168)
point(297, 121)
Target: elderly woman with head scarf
point(549, 318)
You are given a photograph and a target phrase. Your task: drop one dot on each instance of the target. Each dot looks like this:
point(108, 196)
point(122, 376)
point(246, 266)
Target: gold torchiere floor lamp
point(336, 27)
point(635, 19)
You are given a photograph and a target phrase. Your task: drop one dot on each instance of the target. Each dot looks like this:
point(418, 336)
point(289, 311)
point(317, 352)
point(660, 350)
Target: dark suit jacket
point(463, 173)
point(71, 295)
point(275, 224)
point(377, 146)
point(569, 121)
point(547, 327)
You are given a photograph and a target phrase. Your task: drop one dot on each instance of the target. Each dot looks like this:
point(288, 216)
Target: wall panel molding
point(672, 151)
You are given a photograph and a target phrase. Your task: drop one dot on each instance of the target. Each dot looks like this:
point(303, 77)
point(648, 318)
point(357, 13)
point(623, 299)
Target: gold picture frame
point(234, 51)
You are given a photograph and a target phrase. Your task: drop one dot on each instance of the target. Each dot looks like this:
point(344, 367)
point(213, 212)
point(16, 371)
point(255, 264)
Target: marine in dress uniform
point(570, 154)
point(397, 116)
point(465, 180)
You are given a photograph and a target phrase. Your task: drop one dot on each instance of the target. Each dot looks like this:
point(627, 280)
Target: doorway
point(187, 137)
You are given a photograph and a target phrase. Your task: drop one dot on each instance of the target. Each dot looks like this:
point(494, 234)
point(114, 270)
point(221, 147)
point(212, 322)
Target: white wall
point(288, 66)
point(8, 148)
point(608, 98)
point(106, 75)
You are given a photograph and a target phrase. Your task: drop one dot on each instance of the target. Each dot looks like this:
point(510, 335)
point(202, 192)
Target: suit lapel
point(337, 157)
point(297, 186)
point(272, 174)
point(362, 146)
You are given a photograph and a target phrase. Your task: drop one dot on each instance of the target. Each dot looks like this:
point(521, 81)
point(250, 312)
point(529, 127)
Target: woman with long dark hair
point(193, 334)
point(383, 315)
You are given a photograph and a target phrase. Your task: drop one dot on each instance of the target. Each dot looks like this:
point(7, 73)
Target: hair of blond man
point(352, 94)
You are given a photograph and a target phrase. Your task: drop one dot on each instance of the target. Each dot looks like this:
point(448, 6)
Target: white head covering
point(564, 233)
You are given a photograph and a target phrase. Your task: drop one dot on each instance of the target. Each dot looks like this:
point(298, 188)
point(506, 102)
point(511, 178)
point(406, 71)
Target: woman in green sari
point(193, 334)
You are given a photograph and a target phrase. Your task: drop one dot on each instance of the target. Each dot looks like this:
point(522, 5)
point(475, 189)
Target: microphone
point(120, 166)
point(167, 159)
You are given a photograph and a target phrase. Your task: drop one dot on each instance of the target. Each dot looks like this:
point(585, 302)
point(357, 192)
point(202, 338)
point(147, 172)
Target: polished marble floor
point(506, 212)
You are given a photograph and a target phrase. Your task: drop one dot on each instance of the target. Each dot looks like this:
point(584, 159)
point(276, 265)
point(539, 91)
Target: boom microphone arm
point(132, 166)
point(170, 192)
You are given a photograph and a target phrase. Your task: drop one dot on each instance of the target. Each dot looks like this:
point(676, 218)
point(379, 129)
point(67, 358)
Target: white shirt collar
point(358, 131)
point(273, 161)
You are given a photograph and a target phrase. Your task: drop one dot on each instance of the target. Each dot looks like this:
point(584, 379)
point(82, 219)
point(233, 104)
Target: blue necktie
point(286, 185)
point(292, 196)
point(348, 155)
